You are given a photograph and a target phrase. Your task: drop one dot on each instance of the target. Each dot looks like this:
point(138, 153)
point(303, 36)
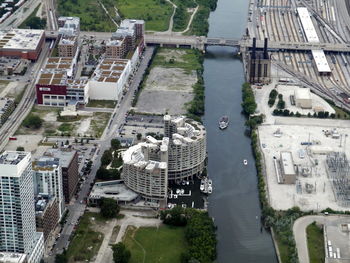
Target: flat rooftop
point(68, 40)
point(113, 189)
point(287, 163)
point(20, 39)
point(77, 83)
point(45, 162)
point(303, 93)
point(109, 70)
point(10, 257)
point(307, 24)
point(321, 61)
point(56, 71)
point(12, 158)
point(65, 156)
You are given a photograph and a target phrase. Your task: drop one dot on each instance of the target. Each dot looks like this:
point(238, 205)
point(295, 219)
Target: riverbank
point(280, 221)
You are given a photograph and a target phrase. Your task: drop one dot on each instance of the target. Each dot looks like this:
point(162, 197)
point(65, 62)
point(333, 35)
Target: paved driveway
point(299, 231)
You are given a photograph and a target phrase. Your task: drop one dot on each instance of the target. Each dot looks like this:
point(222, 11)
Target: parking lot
point(141, 124)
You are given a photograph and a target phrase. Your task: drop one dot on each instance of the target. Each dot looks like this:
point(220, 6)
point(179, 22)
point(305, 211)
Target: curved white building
point(180, 154)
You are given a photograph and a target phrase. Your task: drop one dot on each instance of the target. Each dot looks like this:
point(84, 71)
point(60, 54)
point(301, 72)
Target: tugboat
point(223, 122)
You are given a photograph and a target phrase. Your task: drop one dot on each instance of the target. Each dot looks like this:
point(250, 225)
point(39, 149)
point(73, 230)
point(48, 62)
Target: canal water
point(234, 203)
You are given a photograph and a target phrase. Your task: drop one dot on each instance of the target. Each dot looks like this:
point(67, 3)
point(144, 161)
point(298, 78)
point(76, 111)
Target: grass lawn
point(156, 13)
point(86, 242)
point(101, 103)
point(282, 248)
point(315, 243)
point(66, 127)
point(340, 113)
point(92, 16)
point(188, 61)
point(150, 244)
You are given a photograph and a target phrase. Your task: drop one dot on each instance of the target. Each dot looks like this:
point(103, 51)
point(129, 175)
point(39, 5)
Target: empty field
point(149, 244)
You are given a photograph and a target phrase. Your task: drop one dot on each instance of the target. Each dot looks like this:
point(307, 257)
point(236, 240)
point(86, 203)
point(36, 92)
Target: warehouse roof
point(287, 163)
point(321, 61)
point(20, 39)
point(307, 24)
point(109, 70)
point(303, 93)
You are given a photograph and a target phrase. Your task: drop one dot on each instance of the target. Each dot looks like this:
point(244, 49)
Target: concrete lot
point(292, 135)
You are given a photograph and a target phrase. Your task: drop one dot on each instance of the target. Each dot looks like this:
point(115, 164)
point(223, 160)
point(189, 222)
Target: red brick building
point(21, 43)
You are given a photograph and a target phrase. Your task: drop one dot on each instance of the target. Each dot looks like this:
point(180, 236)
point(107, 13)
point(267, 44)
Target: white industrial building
point(321, 61)
point(311, 36)
point(303, 98)
point(17, 216)
point(287, 167)
point(109, 79)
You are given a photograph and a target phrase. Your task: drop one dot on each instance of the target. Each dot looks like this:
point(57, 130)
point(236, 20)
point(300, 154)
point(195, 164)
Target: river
point(234, 203)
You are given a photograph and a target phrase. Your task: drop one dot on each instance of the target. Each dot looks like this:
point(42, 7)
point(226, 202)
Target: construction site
point(306, 164)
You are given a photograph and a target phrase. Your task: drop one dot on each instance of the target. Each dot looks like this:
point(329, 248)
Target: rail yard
point(280, 21)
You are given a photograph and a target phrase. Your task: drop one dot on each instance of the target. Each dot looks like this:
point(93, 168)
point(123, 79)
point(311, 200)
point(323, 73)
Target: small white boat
point(210, 189)
point(210, 182)
point(223, 122)
point(245, 162)
point(202, 186)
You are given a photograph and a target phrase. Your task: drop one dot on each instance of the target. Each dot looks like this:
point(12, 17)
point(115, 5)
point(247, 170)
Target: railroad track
point(24, 106)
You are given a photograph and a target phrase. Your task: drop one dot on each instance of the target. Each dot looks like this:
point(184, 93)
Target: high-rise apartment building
point(181, 154)
point(68, 160)
point(48, 179)
point(17, 212)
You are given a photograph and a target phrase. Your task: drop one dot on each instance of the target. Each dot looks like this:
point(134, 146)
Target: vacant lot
point(101, 103)
point(169, 86)
point(53, 125)
point(86, 241)
point(92, 16)
point(149, 244)
point(156, 13)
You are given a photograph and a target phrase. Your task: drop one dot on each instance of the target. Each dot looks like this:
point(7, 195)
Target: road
point(299, 231)
point(20, 14)
point(51, 15)
point(76, 209)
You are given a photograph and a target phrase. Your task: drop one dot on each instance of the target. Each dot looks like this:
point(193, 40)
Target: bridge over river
point(201, 42)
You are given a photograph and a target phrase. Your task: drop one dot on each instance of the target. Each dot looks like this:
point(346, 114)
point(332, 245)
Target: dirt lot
point(169, 85)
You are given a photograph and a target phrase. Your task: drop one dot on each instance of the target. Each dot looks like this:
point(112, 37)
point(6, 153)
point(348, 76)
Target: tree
point(109, 208)
point(120, 253)
point(107, 157)
point(139, 136)
point(115, 144)
point(36, 23)
point(33, 121)
point(61, 258)
point(20, 149)
point(105, 174)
